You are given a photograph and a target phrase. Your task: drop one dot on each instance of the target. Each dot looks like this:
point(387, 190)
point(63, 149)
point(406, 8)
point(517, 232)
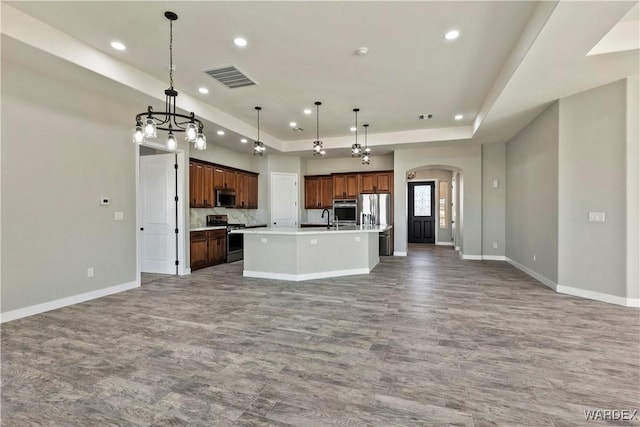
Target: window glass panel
point(443, 195)
point(422, 200)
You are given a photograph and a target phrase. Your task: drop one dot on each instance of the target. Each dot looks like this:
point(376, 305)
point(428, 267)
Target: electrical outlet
point(314, 241)
point(90, 272)
point(263, 240)
point(357, 238)
point(495, 245)
point(596, 216)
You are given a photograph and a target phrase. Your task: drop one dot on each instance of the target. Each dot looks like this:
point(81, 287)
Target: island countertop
point(316, 230)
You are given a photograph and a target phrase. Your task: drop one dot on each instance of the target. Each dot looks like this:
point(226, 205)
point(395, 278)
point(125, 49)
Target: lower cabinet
point(208, 248)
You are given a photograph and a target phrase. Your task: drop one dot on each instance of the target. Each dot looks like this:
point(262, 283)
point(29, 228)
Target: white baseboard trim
point(307, 276)
point(471, 257)
point(398, 253)
point(598, 296)
point(633, 302)
point(539, 277)
point(64, 302)
point(444, 243)
point(494, 257)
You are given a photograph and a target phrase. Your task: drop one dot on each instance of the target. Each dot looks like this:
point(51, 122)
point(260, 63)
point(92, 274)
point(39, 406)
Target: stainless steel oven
point(345, 211)
point(235, 242)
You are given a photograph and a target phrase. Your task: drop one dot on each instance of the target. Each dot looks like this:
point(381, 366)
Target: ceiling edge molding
point(407, 137)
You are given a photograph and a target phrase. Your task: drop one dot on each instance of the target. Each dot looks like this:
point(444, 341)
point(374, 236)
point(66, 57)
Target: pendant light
point(366, 154)
point(258, 146)
point(317, 144)
point(356, 149)
point(148, 122)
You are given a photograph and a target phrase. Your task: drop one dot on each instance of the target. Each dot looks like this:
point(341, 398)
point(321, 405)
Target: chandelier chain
point(171, 54)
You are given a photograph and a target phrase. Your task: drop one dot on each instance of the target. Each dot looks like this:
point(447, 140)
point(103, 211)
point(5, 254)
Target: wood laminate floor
point(424, 340)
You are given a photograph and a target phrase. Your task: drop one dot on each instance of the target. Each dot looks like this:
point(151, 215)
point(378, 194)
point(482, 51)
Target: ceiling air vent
point(231, 77)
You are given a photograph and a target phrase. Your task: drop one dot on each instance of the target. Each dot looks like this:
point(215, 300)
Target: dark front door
point(422, 212)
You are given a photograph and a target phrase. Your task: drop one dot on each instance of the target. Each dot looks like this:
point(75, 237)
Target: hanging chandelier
point(148, 123)
point(356, 149)
point(258, 146)
point(366, 154)
point(317, 144)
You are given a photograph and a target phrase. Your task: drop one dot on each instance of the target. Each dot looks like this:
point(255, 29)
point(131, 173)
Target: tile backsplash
point(198, 217)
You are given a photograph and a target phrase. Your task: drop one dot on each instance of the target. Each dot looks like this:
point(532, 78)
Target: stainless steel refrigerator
point(376, 209)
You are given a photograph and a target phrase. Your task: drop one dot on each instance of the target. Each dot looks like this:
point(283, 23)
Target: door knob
point(274, 223)
point(141, 228)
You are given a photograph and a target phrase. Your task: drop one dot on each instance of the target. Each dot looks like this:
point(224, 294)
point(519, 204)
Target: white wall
point(592, 177)
point(327, 166)
point(63, 147)
point(494, 159)
point(532, 195)
point(225, 157)
point(464, 156)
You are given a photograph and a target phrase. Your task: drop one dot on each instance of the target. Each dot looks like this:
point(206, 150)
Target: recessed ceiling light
point(239, 41)
point(293, 124)
point(352, 128)
point(458, 116)
point(118, 45)
point(452, 35)
point(244, 140)
point(220, 132)
point(307, 111)
point(203, 90)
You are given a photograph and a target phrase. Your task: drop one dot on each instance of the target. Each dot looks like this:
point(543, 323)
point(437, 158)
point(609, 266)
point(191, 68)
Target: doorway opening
point(160, 211)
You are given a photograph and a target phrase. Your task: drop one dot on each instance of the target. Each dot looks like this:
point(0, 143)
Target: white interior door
point(284, 199)
point(158, 214)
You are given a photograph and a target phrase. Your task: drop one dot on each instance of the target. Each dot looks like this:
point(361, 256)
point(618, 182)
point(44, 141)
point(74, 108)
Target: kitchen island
point(310, 253)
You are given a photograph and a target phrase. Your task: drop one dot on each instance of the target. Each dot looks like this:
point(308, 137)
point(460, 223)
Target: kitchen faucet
point(328, 217)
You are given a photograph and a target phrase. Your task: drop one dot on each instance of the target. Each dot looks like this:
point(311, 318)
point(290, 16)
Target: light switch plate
point(119, 216)
point(495, 183)
point(596, 216)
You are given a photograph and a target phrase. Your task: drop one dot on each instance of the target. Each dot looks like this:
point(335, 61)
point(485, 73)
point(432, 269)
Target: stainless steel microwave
point(225, 198)
point(345, 211)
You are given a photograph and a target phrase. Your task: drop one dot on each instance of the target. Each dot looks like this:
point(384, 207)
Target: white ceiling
point(511, 60)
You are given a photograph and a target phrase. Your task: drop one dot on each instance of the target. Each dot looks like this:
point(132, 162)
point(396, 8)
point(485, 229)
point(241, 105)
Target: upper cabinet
point(345, 186)
point(376, 182)
point(205, 178)
point(318, 192)
point(252, 189)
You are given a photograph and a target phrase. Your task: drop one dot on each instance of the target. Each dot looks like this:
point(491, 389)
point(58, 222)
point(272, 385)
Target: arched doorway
point(432, 204)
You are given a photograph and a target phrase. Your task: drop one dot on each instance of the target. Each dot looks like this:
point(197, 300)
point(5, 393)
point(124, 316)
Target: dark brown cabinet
point(318, 192)
point(345, 186)
point(196, 183)
point(207, 187)
point(252, 190)
point(205, 178)
point(208, 248)
point(242, 192)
